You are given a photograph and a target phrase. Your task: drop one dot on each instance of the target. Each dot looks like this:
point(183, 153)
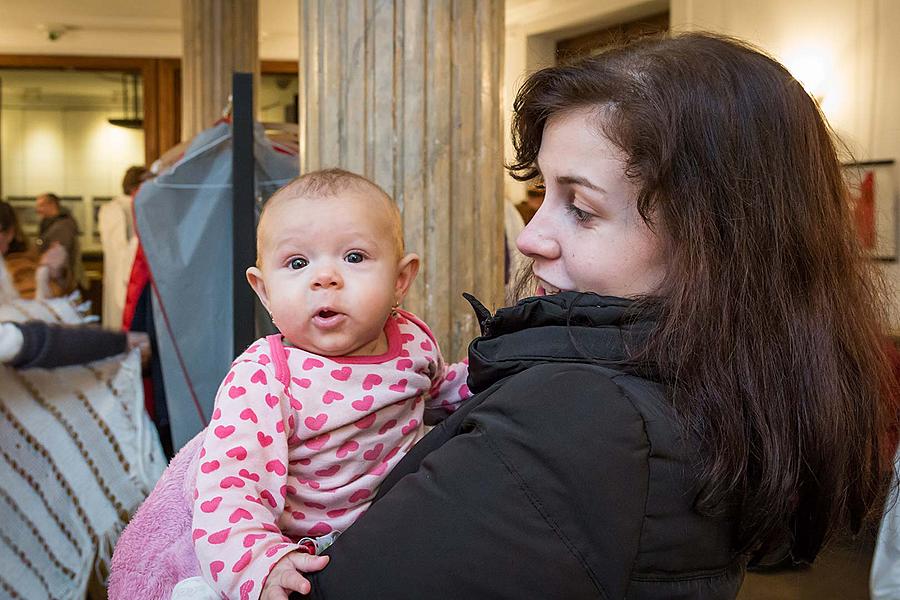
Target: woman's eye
point(298, 263)
point(354, 257)
point(580, 215)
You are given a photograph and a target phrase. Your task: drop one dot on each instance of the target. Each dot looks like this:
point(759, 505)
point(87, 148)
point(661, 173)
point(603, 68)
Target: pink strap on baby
point(279, 359)
point(411, 317)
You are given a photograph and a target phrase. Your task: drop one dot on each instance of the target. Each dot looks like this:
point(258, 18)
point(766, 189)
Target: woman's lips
point(545, 289)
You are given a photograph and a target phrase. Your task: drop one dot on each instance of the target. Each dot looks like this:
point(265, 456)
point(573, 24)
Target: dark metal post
point(243, 219)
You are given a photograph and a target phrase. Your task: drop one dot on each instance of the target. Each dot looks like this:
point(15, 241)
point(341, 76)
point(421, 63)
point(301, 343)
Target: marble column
point(407, 92)
point(219, 38)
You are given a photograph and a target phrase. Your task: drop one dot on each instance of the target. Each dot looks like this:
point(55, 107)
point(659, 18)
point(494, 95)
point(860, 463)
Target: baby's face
point(331, 272)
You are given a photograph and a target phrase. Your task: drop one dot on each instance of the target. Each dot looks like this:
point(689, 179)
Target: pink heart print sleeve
point(299, 443)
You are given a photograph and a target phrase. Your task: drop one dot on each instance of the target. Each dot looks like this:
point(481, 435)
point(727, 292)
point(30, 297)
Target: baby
point(308, 423)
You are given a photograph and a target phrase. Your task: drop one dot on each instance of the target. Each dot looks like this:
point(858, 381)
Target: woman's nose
point(538, 240)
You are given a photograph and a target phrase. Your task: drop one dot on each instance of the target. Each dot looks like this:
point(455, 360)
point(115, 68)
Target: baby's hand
point(286, 577)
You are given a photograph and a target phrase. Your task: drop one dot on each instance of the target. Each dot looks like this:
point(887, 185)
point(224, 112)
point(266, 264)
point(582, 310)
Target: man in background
point(117, 237)
point(58, 226)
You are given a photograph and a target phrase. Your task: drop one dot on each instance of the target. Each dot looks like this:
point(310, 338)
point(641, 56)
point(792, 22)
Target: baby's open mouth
point(326, 318)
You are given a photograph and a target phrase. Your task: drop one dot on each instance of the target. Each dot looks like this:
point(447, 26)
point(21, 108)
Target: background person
point(119, 243)
point(58, 226)
point(24, 273)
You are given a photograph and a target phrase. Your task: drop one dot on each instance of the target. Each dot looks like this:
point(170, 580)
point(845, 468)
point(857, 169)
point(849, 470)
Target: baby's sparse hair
point(330, 183)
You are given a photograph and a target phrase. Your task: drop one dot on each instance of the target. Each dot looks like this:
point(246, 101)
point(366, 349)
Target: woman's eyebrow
point(578, 180)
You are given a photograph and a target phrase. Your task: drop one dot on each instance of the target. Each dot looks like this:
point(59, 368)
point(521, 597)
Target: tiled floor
point(840, 573)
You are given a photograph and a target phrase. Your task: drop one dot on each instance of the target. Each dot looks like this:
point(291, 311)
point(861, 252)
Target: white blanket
point(78, 454)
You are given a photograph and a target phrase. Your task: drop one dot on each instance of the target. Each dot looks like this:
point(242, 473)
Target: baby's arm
point(448, 391)
point(241, 483)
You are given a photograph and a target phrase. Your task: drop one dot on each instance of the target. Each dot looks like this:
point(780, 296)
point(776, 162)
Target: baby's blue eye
point(354, 257)
point(298, 263)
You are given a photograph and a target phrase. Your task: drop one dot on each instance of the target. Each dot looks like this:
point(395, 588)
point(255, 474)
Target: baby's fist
point(286, 576)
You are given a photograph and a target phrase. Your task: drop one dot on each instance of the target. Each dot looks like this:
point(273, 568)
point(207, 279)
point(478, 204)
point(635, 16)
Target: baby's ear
point(406, 274)
point(256, 281)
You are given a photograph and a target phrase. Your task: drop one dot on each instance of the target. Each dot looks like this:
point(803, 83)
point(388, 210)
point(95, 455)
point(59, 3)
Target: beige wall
point(127, 28)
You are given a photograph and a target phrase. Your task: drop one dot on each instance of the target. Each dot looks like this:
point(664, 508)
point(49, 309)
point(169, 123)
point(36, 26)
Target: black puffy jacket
point(560, 478)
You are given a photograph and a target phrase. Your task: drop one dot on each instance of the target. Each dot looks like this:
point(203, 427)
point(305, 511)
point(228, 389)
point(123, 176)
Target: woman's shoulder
point(594, 420)
point(583, 396)
point(610, 439)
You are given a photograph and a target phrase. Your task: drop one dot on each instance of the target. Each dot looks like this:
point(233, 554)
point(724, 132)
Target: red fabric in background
point(864, 211)
point(140, 278)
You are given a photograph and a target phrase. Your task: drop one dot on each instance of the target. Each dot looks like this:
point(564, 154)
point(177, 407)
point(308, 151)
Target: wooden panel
point(491, 241)
point(383, 154)
point(79, 63)
point(437, 199)
point(219, 38)
point(586, 43)
point(309, 75)
point(466, 101)
point(169, 102)
point(356, 113)
point(150, 82)
point(411, 109)
point(333, 98)
point(278, 67)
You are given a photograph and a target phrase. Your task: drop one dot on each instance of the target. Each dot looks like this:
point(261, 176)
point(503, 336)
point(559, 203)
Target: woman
point(700, 384)
point(24, 272)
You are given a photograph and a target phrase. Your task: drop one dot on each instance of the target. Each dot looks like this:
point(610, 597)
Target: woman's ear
point(256, 281)
point(406, 274)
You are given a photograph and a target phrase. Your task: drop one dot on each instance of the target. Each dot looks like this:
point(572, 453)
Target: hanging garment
point(183, 220)
point(119, 244)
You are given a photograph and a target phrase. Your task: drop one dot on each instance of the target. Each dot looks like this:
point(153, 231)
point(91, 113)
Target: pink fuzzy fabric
point(156, 550)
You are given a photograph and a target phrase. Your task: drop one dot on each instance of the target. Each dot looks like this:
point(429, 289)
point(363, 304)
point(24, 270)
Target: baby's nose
point(327, 278)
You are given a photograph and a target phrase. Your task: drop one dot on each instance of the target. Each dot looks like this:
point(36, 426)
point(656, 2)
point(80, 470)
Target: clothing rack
point(243, 186)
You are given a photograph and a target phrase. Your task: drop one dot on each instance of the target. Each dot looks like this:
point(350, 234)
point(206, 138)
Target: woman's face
point(588, 236)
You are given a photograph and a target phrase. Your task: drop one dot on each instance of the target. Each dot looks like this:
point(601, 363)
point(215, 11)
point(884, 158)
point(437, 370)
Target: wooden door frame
point(147, 67)
point(161, 87)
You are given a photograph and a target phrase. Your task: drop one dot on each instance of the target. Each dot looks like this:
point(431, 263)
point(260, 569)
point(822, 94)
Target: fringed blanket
point(78, 454)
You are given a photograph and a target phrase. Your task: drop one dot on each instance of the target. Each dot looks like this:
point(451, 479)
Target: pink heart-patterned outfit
point(299, 443)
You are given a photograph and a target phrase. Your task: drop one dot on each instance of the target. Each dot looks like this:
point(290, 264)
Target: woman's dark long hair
point(769, 319)
point(8, 219)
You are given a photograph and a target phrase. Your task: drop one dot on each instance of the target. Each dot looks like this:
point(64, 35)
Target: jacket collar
point(566, 327)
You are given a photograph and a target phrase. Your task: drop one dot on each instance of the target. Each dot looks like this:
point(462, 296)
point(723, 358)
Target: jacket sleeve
point(48, 345)
point(533, 489)
point(448, 391)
